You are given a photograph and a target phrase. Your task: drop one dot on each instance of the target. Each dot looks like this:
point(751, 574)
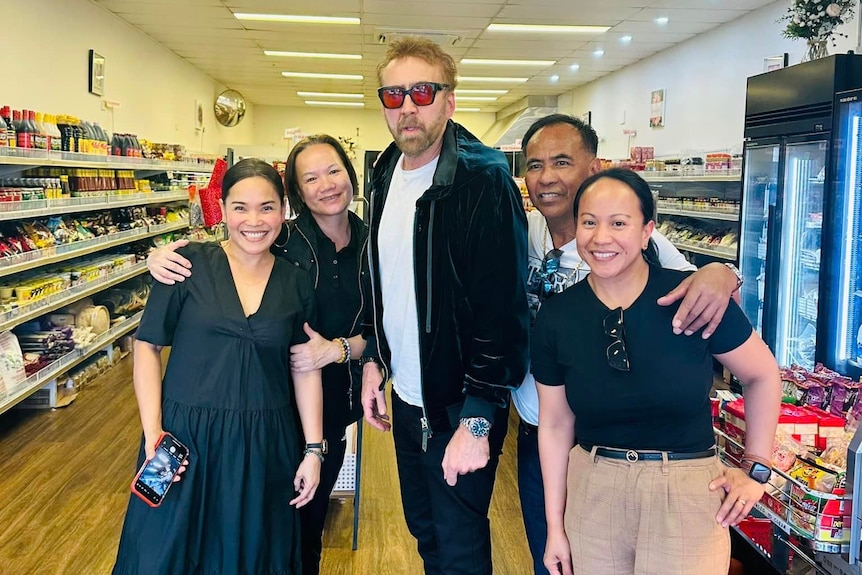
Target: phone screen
point(158, 473)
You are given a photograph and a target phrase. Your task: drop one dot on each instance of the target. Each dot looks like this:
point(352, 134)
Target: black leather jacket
point(297, 243)
point(470, 246)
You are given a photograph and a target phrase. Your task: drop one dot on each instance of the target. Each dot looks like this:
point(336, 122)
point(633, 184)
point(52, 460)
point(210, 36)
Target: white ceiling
point(205, 33)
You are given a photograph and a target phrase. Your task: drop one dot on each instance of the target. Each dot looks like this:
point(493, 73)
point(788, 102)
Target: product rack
point(15, 161)
point(794, 533)
point(94, 201)
point(679, 194)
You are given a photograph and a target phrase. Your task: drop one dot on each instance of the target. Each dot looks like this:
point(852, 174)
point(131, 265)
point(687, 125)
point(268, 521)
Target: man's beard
point(419, 141)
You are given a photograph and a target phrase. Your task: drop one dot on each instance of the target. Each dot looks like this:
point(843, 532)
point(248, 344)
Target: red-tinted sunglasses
point(422, 94)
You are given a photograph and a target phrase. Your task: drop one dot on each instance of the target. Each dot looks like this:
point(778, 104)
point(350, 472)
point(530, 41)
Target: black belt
point(529, 428)
point(632, 455)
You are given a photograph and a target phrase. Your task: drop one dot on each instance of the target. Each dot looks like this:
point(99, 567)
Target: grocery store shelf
point(40, 307)
point(54, 254)
point(791, 530)
point(728, 216)
point(16, 160)
point(38, 208)
point(752, 544)
point(669, 177)
point(38, 380)
point(706, 250)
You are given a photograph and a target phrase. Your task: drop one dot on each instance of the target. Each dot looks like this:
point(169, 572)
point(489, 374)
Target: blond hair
point(424, 49)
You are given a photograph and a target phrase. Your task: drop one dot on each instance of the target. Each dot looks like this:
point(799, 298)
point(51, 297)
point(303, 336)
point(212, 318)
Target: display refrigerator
point(801, 248)
point(793, 165)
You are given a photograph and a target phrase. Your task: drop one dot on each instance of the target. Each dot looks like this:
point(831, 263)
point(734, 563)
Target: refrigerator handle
point(773, 240)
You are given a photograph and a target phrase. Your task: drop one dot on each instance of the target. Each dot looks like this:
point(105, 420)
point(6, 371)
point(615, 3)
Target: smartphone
point(157, 474)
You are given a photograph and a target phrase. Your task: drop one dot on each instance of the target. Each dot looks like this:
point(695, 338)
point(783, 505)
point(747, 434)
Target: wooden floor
point(64, 486)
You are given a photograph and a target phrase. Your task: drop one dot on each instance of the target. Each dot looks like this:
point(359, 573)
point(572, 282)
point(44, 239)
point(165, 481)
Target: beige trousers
point(644, 518)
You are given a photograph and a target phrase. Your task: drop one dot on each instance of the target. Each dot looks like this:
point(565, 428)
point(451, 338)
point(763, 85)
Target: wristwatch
point(368, 359)
point(756, 470)
point(477, 426)
point(739, 279)
point(323, 446)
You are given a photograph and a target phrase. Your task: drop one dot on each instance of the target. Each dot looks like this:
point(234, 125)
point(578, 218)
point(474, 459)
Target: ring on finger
point(741, 501)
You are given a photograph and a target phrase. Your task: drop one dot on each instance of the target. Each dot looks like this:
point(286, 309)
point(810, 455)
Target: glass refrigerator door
point(846, 271)
point(758, 194)
point(798, 268)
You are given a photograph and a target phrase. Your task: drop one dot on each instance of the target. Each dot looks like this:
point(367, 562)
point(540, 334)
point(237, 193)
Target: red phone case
point(142, 496)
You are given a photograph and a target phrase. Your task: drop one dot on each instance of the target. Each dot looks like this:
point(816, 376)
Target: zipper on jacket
point(428, 275)
point(423, 421)
point(316, 257)
point(364, 247)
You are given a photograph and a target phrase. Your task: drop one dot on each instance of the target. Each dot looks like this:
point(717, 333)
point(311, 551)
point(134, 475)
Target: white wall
point(45, 67)
point(705, 80)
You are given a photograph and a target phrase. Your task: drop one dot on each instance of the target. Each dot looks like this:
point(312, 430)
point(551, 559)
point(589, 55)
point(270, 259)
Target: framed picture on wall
point(657, 108)
point(97, 73)
point(775, 62)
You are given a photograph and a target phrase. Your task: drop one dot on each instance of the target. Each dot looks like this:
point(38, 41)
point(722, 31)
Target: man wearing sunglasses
point(448, 241)
point(560, 153)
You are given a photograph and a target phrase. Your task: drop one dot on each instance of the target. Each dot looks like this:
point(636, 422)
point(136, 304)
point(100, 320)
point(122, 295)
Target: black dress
point(226, 395)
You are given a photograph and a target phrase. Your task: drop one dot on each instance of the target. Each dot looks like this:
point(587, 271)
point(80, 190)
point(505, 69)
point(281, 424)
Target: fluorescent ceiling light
point(490, 79)
point(495, 92)
point(312, 55)
point(662, 20)
point(474, 98)
point(343, 104)
point(490, 62)
point(295, 19)
point(554, 79)
point(457, 109)
point(329, 95)
point(626, 39)
point(598, 52)
point(575, 67)
point(547, 28)
point(322, 76)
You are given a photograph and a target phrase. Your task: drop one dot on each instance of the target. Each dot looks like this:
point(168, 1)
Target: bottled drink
point(22, 127)
point(41, 136)
point(11, 134)
point(4, 136)
point(56, 136)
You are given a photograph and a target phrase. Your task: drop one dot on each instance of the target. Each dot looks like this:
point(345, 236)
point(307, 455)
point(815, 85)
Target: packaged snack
point(816, 477)
point(785, 450)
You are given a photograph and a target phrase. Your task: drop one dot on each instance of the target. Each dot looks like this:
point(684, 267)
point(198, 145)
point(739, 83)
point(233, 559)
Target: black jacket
point(470, 246)
point(297, 243)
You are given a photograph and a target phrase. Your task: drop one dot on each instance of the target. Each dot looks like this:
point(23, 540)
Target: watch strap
point(323, 446)
point(739, 278)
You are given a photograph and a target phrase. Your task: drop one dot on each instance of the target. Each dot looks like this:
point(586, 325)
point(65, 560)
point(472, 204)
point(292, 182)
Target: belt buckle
point(631, 455)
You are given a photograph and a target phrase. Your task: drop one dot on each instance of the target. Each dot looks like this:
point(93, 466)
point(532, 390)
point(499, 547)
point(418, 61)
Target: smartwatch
point(757, 471)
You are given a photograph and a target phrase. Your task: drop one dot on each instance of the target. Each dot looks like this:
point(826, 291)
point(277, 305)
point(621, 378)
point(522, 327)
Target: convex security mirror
point(229, 108)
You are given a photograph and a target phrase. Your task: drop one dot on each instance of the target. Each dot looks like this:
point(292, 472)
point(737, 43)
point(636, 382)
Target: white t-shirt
point(572, 270)
point(398, 277)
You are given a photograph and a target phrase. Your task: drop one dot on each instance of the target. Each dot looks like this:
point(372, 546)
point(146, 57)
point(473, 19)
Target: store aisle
point(64, 486)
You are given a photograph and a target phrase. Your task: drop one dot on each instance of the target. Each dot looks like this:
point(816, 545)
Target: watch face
point(760, 472)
